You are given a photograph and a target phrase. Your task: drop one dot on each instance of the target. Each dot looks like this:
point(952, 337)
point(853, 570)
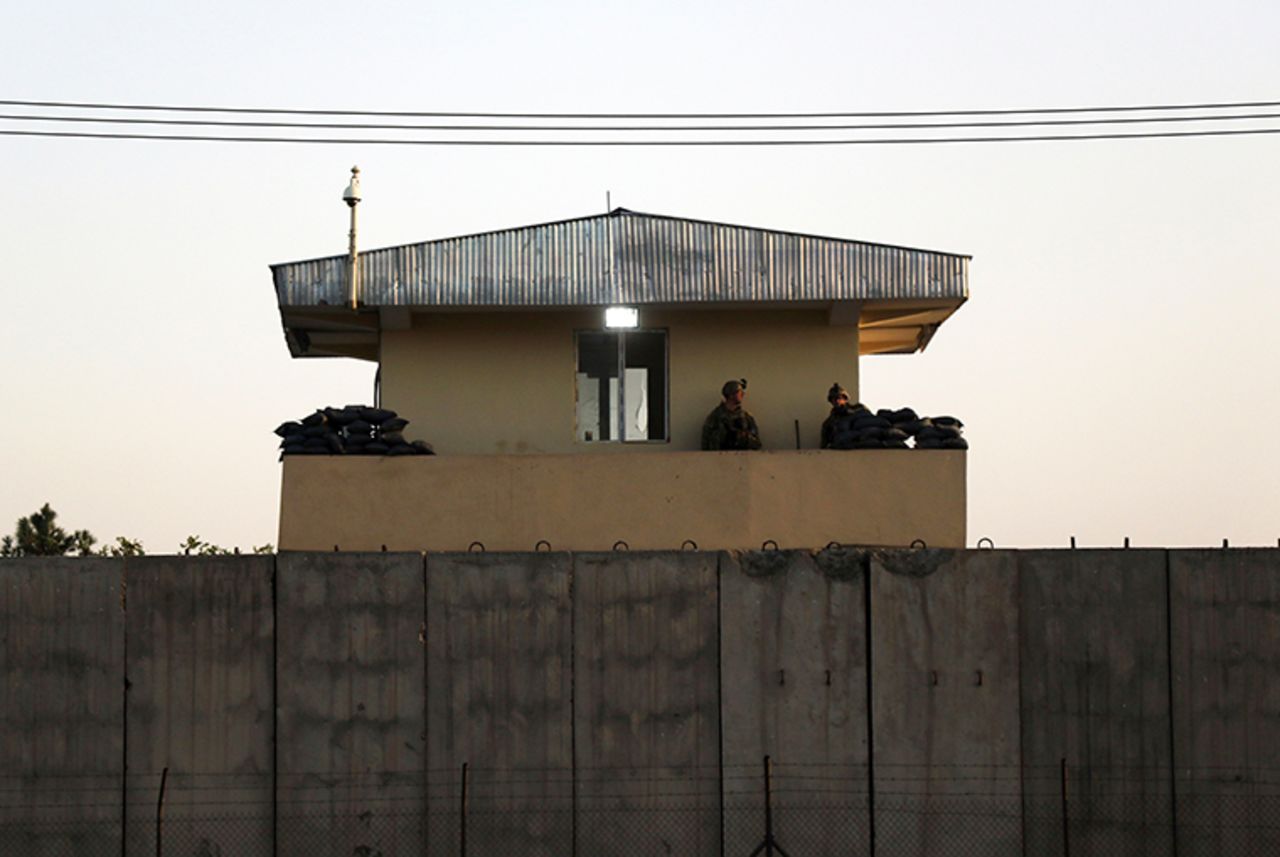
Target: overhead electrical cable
point(890, 126)
point(183, 108)
point(868, 141)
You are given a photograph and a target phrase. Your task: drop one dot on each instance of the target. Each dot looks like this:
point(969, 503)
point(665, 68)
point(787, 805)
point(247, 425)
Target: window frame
point(621, 334)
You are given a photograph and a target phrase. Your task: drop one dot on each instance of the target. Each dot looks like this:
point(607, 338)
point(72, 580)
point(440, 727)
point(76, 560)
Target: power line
point(895, 126)
point(1219, 105)
point(774, 142)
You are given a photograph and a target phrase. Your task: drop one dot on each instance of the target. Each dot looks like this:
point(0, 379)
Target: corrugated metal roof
point(626, 257)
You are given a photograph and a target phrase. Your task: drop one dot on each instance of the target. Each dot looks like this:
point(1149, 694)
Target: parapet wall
point(649, 500)
point(911, 702)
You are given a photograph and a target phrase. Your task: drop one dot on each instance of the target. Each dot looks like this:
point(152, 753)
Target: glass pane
point(645, 397)
point(596, 387)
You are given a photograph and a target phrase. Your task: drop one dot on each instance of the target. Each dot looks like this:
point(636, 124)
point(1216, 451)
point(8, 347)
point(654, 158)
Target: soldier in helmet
point(838, 397)
point(729, 426)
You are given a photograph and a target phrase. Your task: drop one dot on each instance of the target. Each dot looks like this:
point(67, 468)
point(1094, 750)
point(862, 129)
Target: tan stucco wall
point(485, 383)
point(720, 500)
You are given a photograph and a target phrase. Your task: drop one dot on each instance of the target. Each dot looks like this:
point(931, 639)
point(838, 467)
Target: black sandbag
point(376, 415)
point(401, 449)
point(423, 448)
point(315, 431)
point(894, 434)
point(316, 419)
point(335, 444)
point(342, 416)
point(393, 424)
point(286, 429)
point(359, 427)
point(393, 437)
point(866, 422)
point(911, 427)
point(895, 444)
point(376, 447)
point(955, 443)
point(948, 421)
point(868, 443)
point(928, 443)
point(904, 415)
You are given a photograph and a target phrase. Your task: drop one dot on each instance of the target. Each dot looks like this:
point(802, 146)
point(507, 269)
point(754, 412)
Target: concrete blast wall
point(927, 702)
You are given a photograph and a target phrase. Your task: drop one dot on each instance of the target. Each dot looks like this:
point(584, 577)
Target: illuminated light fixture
point(621, 316)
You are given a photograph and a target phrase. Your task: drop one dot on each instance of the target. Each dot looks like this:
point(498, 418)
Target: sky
point(1116, 366)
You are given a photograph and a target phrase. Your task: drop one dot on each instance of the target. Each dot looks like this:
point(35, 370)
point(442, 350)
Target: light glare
point(621, 316)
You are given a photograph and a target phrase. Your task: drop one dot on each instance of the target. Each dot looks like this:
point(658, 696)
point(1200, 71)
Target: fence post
point(164, 778)
point(1066, 830)
point(769, 845)
point(462, 815)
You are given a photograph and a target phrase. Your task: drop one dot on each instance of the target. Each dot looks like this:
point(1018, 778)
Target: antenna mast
point(351, 196)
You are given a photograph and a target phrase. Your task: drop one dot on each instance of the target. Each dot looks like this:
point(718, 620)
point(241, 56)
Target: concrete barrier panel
point(62, 707)
point(944, 684)
point(200, 703)
point(351, 722)
point(1226, 700)
point(646, 704)
point(1095, 692)
point(794, 679)
point(500, 690)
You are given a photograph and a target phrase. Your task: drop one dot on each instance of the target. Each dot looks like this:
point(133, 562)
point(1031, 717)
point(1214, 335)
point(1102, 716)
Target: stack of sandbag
point(941, 433)
point(350, 430)
point(858, 428)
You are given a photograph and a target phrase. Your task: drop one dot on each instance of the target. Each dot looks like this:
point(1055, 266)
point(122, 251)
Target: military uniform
point(726, 429)
point(830, 423)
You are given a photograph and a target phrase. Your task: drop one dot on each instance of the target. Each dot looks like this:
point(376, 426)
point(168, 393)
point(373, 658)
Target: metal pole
point(1066, 832)
point(768, 807)
point(462, 815)
point(164, 777)
point(352, 198)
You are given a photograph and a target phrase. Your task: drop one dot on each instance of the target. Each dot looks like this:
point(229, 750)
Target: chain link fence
point(791, 810)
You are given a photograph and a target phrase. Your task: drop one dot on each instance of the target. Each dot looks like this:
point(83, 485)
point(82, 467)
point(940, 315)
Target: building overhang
point(897, 296)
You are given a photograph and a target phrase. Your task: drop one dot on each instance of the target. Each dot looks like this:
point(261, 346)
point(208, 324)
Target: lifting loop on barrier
point(472, 548)
point(990, 545)
point(917, 544)
point(764, 546)
point(620, 545)
point(689, 544)
point(540, 543)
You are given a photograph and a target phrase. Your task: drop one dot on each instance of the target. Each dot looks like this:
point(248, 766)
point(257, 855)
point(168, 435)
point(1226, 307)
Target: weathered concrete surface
point(1095, 692)
point(500, 679)
point(350, 690)
point(1225, 607)
point(62, 706)
point(794, 688)
point(646, 703)
point(200, 702)
point(798, 498)
point(944, 662)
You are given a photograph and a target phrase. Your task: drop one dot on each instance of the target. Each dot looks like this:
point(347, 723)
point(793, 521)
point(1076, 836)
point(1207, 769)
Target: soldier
point(838, 397)
point(729, 426)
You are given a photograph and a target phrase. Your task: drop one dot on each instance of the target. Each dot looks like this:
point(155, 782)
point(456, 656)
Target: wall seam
point(426, 695)
point(720, 690)
point(1168, 638)
point(871, 744)
point(124, 714)
point(573, 704)
point(275, 706)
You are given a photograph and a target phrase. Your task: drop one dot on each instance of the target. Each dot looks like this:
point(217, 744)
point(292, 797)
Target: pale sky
point(1116, 366)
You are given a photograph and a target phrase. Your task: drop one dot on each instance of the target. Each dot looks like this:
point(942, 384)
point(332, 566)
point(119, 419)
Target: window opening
point(626, 405)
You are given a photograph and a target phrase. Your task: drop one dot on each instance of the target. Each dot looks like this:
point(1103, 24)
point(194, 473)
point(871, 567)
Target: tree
point(38, 534)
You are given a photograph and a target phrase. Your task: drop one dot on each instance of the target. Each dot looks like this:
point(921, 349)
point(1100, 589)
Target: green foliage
point(199, 547)
point(38, 534)
point(123, 547)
